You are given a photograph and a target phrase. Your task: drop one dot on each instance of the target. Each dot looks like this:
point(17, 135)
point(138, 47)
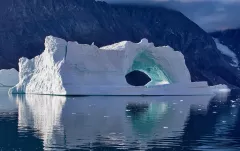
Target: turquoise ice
point(144, 62)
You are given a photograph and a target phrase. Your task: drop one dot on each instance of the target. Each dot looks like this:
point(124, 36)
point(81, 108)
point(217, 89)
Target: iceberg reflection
point(7, 104)
point(42, 113)
point(126, 122)
point(119, 122)
point(163, 118)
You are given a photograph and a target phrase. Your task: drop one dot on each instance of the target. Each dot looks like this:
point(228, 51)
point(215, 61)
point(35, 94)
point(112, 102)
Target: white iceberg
point(69, 68)
point(8, 77)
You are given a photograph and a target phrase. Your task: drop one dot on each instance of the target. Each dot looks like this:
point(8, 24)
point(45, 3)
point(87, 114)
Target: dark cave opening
point(137, 78)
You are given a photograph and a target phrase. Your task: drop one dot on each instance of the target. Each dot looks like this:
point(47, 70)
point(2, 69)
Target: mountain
point(230, 38)
point(24, 24)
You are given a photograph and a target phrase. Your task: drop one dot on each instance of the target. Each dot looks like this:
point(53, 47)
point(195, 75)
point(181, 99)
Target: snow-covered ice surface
point(69, 68)
point(226, 51)
point(8, 77)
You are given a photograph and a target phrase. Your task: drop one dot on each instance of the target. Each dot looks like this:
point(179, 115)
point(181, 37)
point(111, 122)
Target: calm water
point(33, 122)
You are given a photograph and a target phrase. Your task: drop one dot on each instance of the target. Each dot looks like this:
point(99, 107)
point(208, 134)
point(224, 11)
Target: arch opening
point(137, 78)
point(145, 63)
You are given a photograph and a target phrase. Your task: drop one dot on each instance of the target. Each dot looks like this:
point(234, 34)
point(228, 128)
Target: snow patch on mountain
point(227, 52)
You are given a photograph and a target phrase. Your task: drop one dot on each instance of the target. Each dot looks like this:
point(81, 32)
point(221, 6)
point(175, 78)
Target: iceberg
point(8, 77)
point(69, 68)
point(221, 88)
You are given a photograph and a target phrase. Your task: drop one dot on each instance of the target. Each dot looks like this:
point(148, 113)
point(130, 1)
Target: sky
point(211, 15)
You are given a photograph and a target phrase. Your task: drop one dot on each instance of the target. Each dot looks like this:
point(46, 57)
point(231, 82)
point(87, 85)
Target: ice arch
point(144, 62)
point(69, 68)
point(162, 64)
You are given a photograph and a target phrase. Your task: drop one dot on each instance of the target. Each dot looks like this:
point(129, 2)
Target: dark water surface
point(169, 123)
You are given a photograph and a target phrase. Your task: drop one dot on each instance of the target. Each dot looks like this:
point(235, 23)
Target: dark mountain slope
point(24, 25)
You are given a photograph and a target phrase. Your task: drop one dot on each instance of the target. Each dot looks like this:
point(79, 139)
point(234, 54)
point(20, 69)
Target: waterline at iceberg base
point(69, 68)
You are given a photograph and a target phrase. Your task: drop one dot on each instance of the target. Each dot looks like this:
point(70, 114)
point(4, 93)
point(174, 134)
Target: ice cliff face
point(64, 68)
point(8, 78)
